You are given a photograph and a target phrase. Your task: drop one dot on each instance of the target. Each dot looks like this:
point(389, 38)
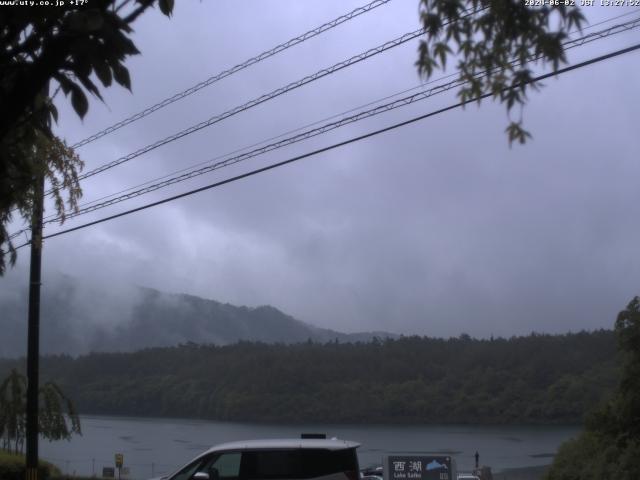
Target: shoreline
point(353, 423)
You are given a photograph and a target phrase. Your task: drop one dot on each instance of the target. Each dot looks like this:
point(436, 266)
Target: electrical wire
point(261, 142)
point(611, 19)
point(402, 39)
point(226, 73)
point(262, 56)
point(206, 162)
point(346, 142)
point(567, 45)
point(257, 101)
point(340, 144)
point(268, 148)
point(327, 127)
point(583, 40)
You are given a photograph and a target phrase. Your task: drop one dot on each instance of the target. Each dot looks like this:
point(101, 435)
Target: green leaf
point(90, 86)
point(441, 50)
point(79, 101)
point(121, 75)
point(515, 132)
point(432, 24)
point(64, 82)
point(103, 72)
point(575, 17)
point(85, 21)
point(166, 7)
point(54, 112)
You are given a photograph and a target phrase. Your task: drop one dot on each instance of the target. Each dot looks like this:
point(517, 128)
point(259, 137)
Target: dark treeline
point(538, 379)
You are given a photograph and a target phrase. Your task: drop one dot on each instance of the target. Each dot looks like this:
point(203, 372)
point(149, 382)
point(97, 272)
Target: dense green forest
point(537, 379)
point(609, 446)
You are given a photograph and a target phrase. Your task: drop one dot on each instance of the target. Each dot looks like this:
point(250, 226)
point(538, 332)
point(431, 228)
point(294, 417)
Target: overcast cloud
point(437, 228)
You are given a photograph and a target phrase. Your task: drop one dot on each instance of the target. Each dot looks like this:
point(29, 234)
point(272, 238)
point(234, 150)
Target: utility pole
point(33, 333)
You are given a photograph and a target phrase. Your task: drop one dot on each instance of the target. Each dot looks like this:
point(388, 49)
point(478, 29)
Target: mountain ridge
point(79, 318)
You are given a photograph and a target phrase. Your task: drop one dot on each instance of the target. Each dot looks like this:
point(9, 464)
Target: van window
point(296, 464)
point(223, 466)
point(187, 472)
point(228, 465)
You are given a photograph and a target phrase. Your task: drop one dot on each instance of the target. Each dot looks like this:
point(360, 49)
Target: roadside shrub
point(12, 468)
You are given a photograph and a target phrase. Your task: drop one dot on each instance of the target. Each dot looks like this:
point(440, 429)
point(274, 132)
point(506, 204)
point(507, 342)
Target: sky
point(438, 228)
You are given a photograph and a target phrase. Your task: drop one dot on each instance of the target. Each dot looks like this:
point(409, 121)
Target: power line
point(257, 101)
point(611, 19)
point(327, 127)
point(266, 97)
point(616, 29)
point(346, 142)
point(267, 148)
point(262, 99)
point(226, 73)
point(206, 162)
point(289, 43)
point(91, 206)
point(405, 101)
point(19, 232)
point(340, 144)
point(241, 108)
point(567, 45)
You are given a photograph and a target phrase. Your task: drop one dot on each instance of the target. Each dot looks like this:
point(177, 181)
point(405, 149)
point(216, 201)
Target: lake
point(155, 446)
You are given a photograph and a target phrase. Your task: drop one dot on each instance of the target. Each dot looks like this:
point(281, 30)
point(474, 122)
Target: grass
point(15, 461)
point(12, 464)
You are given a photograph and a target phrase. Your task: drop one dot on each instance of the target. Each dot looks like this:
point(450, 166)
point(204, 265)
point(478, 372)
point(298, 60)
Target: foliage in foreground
point(609, 448)
point(72, 49)
point(78, 49)
point(57, 419)
point(12, 467)
point(492, 42)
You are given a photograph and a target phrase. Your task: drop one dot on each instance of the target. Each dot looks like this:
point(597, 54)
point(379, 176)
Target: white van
point(287, 459)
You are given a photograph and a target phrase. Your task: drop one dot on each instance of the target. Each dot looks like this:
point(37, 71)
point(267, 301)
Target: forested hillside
point(538, 379)
point(80, 317)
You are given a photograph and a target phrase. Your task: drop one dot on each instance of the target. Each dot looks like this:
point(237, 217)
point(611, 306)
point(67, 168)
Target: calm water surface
point(153, 446)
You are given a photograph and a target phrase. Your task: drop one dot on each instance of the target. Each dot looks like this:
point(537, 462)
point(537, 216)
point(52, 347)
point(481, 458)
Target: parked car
point(372, 473)
point(371, 477)
point(304, 458)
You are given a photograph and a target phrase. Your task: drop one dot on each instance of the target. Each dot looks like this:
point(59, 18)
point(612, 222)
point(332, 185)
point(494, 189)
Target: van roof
point(288, 443)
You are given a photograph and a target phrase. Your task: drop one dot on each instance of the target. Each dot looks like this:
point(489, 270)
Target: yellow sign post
point(119, 463)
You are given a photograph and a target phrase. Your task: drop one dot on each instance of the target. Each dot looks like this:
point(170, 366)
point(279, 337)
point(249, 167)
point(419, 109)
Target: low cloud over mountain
point(78, 317)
